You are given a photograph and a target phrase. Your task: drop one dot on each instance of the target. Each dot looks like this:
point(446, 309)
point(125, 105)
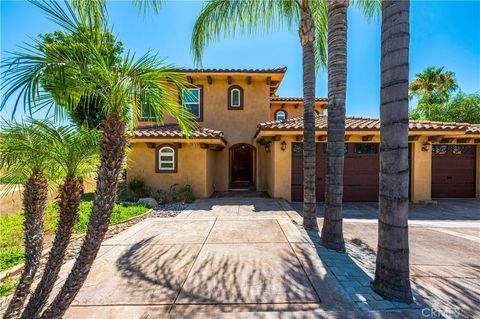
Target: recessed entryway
point(242, 166)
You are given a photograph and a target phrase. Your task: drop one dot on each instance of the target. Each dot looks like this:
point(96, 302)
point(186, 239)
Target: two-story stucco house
point(250, 138)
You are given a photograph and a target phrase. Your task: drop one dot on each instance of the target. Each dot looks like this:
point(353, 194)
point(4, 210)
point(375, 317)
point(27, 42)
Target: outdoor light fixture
point(426, 146)
point(267, 148)
point(283, 146)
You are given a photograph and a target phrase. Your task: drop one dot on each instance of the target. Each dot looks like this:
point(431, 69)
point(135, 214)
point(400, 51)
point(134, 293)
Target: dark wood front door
point(242, 164)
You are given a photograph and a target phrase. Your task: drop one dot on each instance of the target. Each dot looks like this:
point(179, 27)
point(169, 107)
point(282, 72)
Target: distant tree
point(433, 85)
point(439, 100)
point(463, 108)
point(88, 111)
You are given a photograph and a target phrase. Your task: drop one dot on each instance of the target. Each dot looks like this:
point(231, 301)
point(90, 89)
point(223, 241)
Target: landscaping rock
point(149, 201)
point(169, 210)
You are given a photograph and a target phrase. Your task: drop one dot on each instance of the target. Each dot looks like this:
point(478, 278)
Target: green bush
point(12, 234)
point(7, 286)
point(11, 230)
point(10, 257)
point(164, 197)
point(133, 190)
point(184, 195)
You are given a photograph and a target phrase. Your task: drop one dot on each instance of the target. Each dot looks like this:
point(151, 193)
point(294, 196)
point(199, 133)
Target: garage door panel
point(360, 172)
point(453, 171)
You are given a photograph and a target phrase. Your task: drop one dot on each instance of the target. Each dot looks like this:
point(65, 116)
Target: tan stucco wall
point(279, 165)
point(239, 126)
point(192, 168)
point(421, 172)
point(11, 199)
point(210, 180)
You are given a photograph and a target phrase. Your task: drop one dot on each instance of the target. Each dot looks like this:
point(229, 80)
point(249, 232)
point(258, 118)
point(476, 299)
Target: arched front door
point(242, 163)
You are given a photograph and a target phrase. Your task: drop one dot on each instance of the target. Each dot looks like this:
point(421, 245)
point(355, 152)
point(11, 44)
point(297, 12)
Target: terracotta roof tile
point(360, 123)
point(295, 99)
point(473, 129)
point(174, 131)
point(271, 70)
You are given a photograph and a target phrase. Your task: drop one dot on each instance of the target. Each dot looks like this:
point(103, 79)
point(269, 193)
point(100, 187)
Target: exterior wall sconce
point(283, 146)
point(267, 148)
point(426, 146)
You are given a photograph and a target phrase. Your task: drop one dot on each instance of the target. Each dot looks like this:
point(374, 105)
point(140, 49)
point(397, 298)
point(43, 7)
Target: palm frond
point(145, 6)
point(372, 9)
point(227, 18)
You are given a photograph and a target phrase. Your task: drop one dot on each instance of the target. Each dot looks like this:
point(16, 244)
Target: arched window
point(166, 159)
point(280, 115)
point(235, 97)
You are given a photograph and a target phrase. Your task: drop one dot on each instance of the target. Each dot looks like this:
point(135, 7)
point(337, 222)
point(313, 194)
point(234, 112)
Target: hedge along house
point(249, 138)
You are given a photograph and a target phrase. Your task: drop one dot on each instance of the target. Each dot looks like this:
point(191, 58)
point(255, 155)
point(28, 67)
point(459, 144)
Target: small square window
point(365, 148)
point(439, 149)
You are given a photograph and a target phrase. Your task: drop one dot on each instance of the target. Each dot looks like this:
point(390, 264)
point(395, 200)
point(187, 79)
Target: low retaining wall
point(11, 200)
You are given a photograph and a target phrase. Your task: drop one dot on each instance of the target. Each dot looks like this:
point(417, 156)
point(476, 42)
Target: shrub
point(10, 257)
point(164, 197)
point(133, 190)
point(7, 286)
point(185, 195)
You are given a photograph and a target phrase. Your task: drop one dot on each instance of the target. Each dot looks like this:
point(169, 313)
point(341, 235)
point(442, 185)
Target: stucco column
point(478, 171)
point(283, 168)
point(421, 171)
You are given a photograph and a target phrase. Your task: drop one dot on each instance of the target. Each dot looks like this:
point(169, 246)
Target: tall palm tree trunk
point(392, 278)
point(332, 230)
point(307, 38)
point(112, 152)
point(35, 196)
point(70, 193)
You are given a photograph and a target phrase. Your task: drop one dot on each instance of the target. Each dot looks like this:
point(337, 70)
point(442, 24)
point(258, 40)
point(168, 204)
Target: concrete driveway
point(444, 249)
point(225, 258)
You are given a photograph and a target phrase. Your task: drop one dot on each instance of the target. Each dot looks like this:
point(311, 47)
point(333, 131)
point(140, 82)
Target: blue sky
point(443, 33)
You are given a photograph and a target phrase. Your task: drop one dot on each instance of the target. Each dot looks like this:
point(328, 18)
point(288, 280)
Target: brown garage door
point(360, 182)
point(453, 171)
point(360, 172)
point(297, 172)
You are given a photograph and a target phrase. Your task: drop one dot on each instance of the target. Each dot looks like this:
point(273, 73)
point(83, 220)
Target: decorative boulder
point(149, 201)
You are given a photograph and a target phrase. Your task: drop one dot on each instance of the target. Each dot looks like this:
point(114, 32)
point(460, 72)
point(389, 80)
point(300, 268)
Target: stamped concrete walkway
point(225, 258)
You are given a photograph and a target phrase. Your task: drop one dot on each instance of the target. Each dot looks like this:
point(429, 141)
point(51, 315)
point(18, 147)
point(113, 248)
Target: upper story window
point(167, 159)
point(280, 115)
point(146, 111)
point(192, 99)
point(235, 97)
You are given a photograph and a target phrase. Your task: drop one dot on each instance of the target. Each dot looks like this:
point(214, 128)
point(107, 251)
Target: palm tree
point(23, 161)
point(332, 229)
point(248, 16)
point(392, 279)
point(434, 83)
point(123, 88)
point(75, 151)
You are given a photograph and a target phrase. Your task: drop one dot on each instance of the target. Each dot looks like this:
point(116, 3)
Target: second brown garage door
point(360, 172)
point(453, 171)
